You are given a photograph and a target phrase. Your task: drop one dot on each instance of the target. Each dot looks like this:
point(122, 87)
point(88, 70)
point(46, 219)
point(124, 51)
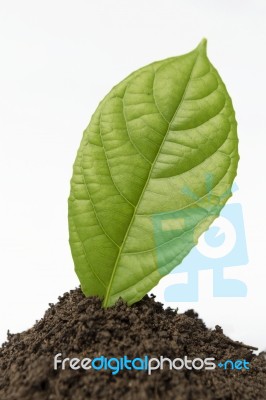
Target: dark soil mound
point(78, 327)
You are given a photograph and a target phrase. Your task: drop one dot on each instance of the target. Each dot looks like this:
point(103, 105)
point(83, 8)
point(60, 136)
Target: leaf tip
point(202, 46)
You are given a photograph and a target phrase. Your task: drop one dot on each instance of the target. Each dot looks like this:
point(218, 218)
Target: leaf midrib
point(107, 295)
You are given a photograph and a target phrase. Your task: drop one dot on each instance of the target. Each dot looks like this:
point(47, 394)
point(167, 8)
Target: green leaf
point(154, 169)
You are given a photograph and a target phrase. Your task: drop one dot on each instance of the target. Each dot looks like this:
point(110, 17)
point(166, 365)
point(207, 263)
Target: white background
point(57, 60)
